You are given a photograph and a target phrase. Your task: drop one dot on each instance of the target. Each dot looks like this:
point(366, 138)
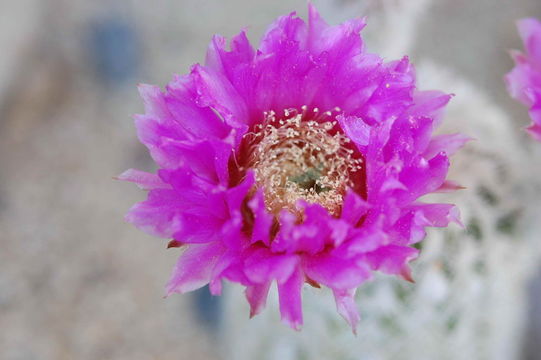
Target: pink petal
point(396, 87)
point(290, 300)
point(429, 104)
point(423, 177)
point(262, 219)
point(187, 183)
point(152, 133)
point(208, 158)
point(392, 259)
point(448, 144)
point(355, 128)
point(311, 236)
point(236, 196)
point(257, 297)
point(366, 238)
point(535, 131)
point(197, 122)
point(524, 80)
point(159, 215)
point(262, 266)
point(217, 92)
point(323, 37)
point(222, 265)
point(143, 179)
point(334, 272)
point(439, 215)
point(530, 32)
point(193, 269)
point(198, 229)
point(345, 304)
point(154, 101)
point(449, 186)
point(219, 59)
point(288, 28)
point(231, 233)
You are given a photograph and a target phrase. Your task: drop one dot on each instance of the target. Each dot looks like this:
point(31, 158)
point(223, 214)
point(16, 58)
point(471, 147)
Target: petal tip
point(174, 244)
point(295, 325)
point(405, 273)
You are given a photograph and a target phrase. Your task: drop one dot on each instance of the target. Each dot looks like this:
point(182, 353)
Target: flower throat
point(296, 158)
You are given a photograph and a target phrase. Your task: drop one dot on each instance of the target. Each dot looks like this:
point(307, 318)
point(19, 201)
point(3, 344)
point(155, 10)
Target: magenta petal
point(535, 131)
point(392, 259)
point(342, 39)
point(392, 183)
point(524, 81)
point(235, 196)
point(208, 159)
point(154, 102)
point(262, 266)
point(423, 176)
point(408, 135)
point(283, 55)
point(285, 241)
point(336, 273)
point(153, 133)
point(291, 300)
point(429, 103)
point(203, 221)
point(363, 239)
point(231, 233)
point(354, 208)
point(355, 128)
point(340, 231)
point(235, 273)
point(159, 215)
point(449, 144)
point(197, 122)
point(518, 81)
point(397, 87)
point(449, 186)
point(345, 304)
point(219, 59)
point(439, 215)
point(187, 184)
point(257, 297)
point(198, 229)
point(286, 29)
point(530, 32)
point(193, 269)
point(262, 219)
point(228, 267)
point(311, 236)
point(144, 180)
point(224, 262)
point(217, 92)
point(410, 228)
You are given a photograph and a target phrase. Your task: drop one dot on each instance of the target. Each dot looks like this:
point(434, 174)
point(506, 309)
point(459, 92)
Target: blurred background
point(76, 281)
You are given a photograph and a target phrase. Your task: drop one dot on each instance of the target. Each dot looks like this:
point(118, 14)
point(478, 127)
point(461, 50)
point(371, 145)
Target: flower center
point(296, 158)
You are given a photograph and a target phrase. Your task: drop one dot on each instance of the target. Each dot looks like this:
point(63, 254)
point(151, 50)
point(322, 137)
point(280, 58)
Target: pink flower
point(300, 162)
point(524, 81)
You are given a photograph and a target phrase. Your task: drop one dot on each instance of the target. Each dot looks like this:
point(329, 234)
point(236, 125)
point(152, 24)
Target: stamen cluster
point(296, 157)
